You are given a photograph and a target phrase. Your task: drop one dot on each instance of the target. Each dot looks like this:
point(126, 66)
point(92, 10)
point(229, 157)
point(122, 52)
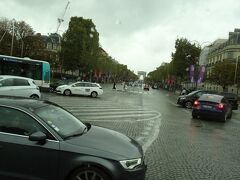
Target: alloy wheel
point(34, 96)
point(89, 173)
point(67, 92)
point(188, 105)
point(94, 94)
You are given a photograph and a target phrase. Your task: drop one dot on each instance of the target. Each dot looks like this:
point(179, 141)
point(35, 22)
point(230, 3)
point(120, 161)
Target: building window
point(229, 55)
point(54, 46)
point(49, 46)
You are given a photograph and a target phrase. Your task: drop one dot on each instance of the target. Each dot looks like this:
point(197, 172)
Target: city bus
point(37, 70)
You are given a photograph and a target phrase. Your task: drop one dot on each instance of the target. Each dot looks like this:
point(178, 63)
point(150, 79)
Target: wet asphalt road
point(175, 145)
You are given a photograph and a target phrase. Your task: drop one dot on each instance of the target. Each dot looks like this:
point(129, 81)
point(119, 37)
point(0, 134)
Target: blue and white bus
point(38, 70)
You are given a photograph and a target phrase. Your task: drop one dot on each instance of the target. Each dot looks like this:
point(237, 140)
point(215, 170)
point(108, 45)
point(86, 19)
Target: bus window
point(34, 69)
point(37, 71)
point(11, 68)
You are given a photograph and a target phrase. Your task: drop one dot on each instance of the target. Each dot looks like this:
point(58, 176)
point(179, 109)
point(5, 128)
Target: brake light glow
point(196, 104)
point(220, 106)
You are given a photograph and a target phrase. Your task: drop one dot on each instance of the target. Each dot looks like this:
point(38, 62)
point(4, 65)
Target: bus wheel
point(67, 92)
point(34, 96)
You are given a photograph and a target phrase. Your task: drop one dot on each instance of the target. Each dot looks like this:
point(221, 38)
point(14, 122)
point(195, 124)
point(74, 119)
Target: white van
point(18, 86)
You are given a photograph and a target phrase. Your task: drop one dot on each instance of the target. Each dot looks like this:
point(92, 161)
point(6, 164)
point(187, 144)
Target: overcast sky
point(138, 33)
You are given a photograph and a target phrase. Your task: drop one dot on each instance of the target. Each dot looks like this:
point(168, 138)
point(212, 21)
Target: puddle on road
point(196, 123)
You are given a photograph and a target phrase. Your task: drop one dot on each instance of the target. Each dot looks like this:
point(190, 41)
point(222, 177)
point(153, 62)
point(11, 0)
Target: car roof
point(10, 76)
point(202, 90)
point(20, 102)
point(85, 82)
point(211, 98)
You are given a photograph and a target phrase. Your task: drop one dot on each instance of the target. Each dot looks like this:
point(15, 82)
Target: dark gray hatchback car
point(41, 140)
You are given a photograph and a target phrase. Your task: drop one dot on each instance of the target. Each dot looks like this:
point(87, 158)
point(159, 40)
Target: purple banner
point(201, 73)
point(191, 71)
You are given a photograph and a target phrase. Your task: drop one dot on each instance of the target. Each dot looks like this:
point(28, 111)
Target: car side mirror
point(74, 85)
point(39, 137)
point(88, 125)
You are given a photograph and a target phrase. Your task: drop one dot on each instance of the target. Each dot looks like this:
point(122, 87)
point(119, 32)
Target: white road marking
point(99, 113)
point(111, 117)
point(111, 112)
point(153, 135)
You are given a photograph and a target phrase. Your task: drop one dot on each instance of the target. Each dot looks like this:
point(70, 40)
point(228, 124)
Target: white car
point(18, 86)
point(80, 88)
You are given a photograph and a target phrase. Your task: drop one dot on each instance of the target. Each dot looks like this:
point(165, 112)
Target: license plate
point(208, 107)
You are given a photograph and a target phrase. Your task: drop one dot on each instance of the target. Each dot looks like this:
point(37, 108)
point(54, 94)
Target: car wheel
point(194, 116)
point(94, 94)
point(224, 118)
point(188, 104)
point(34, 96)
point(230, 115)
point(67, 92)
point(51, 89)
point(88, 173)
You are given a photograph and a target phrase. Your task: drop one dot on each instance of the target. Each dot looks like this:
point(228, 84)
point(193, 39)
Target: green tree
point(26, 43)
point(184, 55)
point(80, 45)
point(22, 32)
point(5, 36)
point(222, 74)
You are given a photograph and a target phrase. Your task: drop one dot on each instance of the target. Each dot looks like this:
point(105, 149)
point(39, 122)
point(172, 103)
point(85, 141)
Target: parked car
point(18, 86)
point(232, 99)
point(155, 86)
point(80, 88)
point(188, 100)
point(41, 140)
point(212, 106)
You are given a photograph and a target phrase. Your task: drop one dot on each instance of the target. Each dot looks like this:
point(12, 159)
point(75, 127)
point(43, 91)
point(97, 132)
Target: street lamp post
point(235, 75)
point(13, 25)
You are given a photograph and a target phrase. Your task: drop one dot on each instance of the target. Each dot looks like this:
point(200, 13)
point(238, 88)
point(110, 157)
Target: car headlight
point(131, 164)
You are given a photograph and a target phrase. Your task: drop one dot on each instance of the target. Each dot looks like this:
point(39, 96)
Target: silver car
point(18, 86)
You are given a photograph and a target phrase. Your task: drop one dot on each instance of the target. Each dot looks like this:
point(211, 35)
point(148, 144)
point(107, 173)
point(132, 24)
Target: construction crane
point(60, 20)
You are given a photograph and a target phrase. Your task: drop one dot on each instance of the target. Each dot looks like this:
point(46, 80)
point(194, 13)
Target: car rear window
point(211, 98)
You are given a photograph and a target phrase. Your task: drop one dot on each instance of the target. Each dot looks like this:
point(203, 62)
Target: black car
point(55, 84)
point(188, 100)
point(212, 106)
point(146, 87)
point(232, 99)
point(41, 140)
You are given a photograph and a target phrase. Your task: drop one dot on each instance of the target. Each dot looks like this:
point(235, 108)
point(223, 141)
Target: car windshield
point(194, 92)
point(61, 121)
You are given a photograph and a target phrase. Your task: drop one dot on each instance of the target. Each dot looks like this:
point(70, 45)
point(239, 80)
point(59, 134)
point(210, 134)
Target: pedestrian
point(114, 85)
point(124, 86)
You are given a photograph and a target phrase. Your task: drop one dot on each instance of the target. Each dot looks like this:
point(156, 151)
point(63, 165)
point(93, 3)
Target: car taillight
point(220, 106)
point(196, 104)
